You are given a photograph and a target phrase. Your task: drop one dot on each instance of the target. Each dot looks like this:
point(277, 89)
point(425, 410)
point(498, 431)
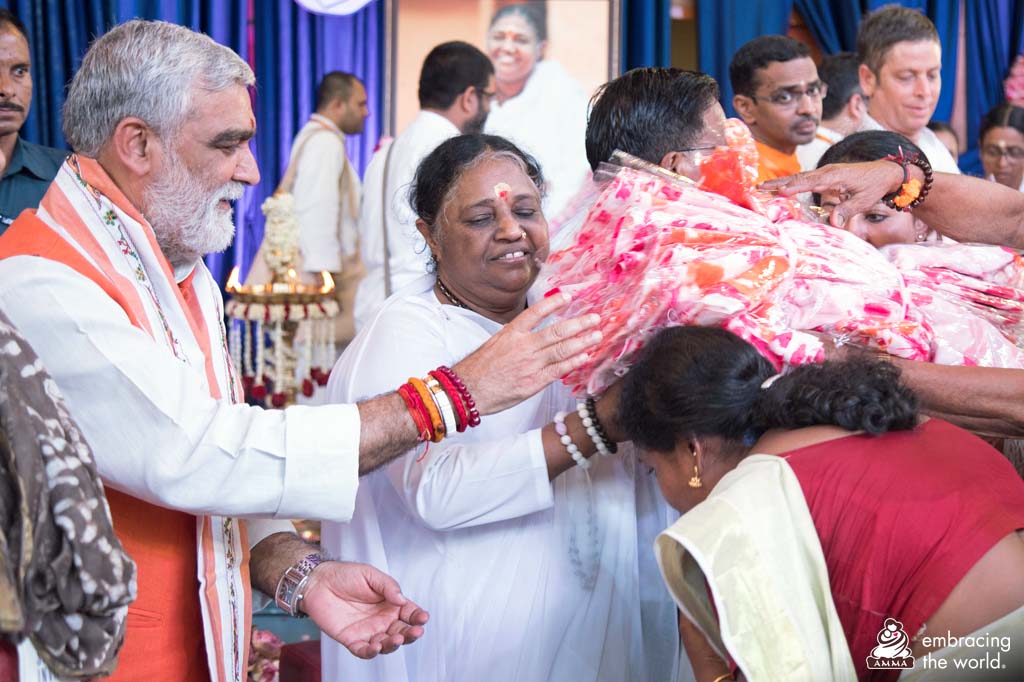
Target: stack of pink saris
point(655, 252)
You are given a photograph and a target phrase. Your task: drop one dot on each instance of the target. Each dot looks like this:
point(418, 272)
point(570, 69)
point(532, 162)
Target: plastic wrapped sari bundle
point(656, 251)
point(972, 294)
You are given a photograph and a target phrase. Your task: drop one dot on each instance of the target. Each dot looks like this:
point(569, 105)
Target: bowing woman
point(521, 533)
point(824, 524)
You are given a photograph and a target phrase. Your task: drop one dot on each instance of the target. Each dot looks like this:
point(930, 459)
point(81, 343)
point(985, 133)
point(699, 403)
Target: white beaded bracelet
point(563, 432)
point(588, 423)
point(444, 405)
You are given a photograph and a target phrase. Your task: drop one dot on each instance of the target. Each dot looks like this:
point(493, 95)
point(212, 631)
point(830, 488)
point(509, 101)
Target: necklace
point(109, 218)
point(452, 298)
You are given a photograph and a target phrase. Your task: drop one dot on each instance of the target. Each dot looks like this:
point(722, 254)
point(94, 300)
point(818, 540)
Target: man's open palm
point(362, 608)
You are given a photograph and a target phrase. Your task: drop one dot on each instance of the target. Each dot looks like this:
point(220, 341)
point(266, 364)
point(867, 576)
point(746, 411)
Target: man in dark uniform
point(27, 169)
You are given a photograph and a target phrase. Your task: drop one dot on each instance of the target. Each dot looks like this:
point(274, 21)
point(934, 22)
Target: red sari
point(902, 518)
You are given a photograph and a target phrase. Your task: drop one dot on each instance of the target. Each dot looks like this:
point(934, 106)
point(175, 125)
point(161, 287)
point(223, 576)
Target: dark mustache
point(11, 106)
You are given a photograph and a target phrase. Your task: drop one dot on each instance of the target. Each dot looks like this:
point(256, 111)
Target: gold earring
point(695, 481)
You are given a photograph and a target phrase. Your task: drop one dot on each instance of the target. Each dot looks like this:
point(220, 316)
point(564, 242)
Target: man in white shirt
point(326, 189)
point(901, 75)
point(106, 282)
point(842, 110)
point(455, 91)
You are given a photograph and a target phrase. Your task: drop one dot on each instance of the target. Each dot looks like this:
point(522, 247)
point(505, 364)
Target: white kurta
point(938, 156)
point(548, 119)
point(154, 429)
point(408, 251)
point(475, 532)
point(809, 154)
point(326, 187)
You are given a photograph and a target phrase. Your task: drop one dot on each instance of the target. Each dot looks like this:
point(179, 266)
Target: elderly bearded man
point(106, 281)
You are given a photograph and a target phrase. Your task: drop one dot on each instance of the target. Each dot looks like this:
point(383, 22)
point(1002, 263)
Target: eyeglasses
point(992, 151)
point(697, 149)
point(487, 95)
point(790, 96)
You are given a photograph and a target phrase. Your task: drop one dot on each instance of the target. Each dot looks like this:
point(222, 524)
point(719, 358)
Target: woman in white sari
point(538, 105)
point(522, 539)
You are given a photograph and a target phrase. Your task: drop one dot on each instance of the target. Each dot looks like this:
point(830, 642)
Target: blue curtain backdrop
point(646, 33)
point(833, 23)
point(294, 49)
point(723, 26)
point(55, 59)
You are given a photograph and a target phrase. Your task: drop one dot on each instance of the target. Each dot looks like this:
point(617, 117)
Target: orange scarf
point(86, 223)
point(774, 164)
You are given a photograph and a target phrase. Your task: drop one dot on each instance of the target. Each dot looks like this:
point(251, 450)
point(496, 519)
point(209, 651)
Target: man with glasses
point(455, 92)
point(901, 75)
point(842, 110)
point(778, 95)
point(666, 116)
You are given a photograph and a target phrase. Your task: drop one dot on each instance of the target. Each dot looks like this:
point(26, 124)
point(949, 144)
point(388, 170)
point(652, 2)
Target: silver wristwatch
point(292, 585)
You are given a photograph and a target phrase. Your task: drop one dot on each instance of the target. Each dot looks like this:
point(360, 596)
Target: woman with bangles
point(529, 536)
point(829, 532)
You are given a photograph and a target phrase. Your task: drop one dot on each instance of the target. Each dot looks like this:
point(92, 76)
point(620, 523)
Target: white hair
point(146, 69)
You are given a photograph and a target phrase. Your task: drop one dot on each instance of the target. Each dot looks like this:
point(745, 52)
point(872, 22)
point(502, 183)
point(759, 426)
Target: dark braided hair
point(693, 382)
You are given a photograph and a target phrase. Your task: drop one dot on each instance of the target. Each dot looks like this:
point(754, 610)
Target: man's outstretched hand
point(520, 359)
point(362, 608)
point(859, 185)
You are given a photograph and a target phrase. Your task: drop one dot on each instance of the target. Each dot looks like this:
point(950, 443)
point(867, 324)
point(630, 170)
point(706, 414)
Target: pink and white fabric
point(654, 252)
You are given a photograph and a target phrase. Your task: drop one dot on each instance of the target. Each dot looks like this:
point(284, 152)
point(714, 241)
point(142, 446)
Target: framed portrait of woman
point(549, 57)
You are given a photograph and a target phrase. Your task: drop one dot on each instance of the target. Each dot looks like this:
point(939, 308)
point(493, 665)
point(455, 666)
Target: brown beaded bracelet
point(911, 192)
point(601, 433)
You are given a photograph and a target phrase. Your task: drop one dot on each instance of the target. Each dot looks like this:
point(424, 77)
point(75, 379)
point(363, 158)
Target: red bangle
point(461, 417)
point(418, 410)
point(467, 399)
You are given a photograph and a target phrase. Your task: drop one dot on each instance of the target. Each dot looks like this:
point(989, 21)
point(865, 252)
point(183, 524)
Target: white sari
point(501, 557)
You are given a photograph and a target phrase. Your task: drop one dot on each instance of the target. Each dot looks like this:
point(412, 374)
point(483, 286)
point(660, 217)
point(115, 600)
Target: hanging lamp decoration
point(265, 319)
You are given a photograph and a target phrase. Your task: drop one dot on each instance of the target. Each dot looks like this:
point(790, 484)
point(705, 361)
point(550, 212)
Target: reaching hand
point(859, 185)
point(362, 608)
point(517, 362)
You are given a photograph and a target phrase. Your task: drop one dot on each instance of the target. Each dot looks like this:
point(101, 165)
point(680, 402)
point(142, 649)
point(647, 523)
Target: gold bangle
point(727, 676)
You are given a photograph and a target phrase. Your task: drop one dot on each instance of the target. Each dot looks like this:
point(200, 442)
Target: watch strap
point(291, 586)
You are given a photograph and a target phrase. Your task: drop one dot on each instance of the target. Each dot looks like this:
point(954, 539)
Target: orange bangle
point(435, 414)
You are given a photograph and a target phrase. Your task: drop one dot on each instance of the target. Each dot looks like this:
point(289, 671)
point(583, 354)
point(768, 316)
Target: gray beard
point(186, 218)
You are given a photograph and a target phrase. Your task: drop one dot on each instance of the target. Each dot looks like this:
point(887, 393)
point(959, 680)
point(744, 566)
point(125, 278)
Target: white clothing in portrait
point(548, 119)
